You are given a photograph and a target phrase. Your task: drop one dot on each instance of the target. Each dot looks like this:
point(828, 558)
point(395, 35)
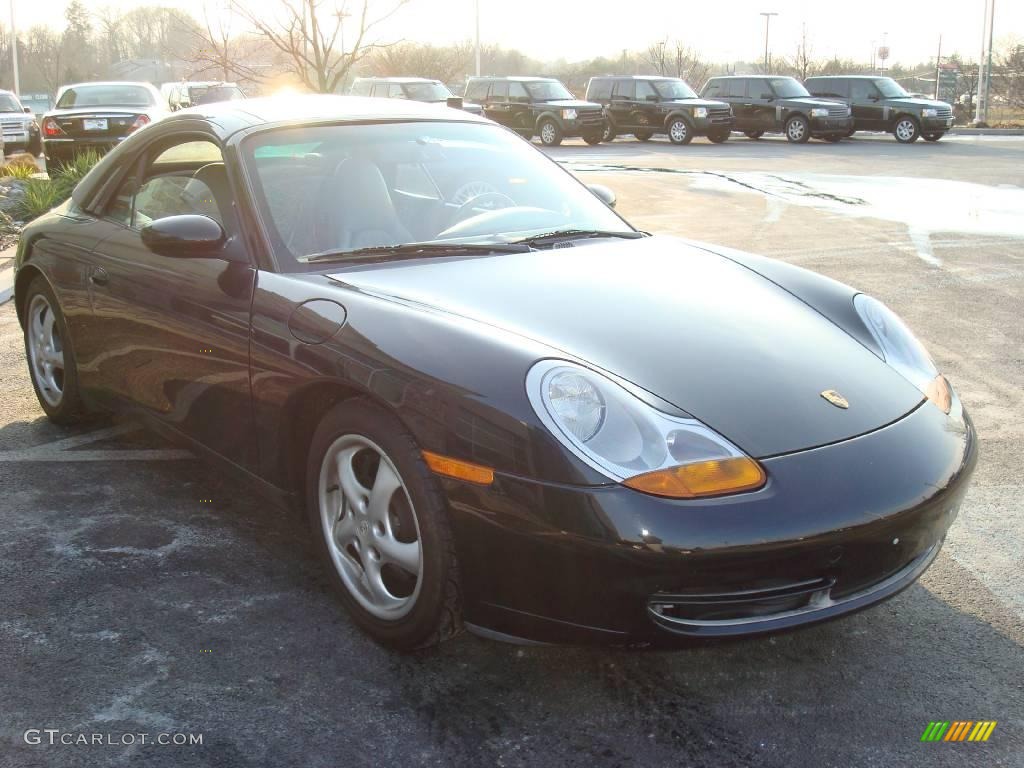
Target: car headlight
point(568, 114)
point(902, 351)
point(700, 111)
point(819, 112)
point(929, 112)
point(631, 442)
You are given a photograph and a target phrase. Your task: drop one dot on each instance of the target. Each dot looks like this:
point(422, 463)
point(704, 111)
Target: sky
point(724, 31)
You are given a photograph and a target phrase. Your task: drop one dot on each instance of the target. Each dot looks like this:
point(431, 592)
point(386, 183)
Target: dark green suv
point(771, 104)
point(537, 106)
point(644, 106)
point(881, 104)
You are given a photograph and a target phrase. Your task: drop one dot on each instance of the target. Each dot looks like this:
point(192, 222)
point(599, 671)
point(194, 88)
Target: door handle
point(99, 276)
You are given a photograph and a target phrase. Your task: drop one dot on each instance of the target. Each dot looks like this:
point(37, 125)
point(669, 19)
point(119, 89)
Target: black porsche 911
point(498, 404)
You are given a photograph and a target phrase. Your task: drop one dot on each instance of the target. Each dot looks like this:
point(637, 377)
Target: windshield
point(106, 96)
point(548, 90)
point(674, 89)
point(426, 91)
point(332, 189)
point(9, 104)
point(889, 88)
point(787, 88)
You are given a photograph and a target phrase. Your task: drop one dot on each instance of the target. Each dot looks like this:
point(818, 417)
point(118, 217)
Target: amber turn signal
point(937, 390)
point(703, 478)
point(462, 470)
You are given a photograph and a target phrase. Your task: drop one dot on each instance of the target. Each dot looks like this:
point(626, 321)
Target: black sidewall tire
point(689, 131)
point(807, 130)
point(593, 140)
point(719, 137)
point(609, 134)
point(753, 135)
point(933, 136)
point(643, 135)
point(558, 133)
point(70, 409)
point(436, 616)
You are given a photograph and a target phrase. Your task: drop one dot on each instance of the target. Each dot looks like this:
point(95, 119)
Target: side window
point(499, 92)
point(476, 91)
point(645, 91)
point(517, 93)
point(185, 178)
point(361, 88)
point(714, 88)
point(624, 90)
point(737, 88)
point(395, 91)
point(862, 90)
point(600, 90)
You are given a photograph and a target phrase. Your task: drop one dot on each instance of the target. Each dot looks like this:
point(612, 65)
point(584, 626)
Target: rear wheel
point(609, 133)
point(906, 130)
point(643, 135)
point(719, 137)
point(798, 130)
point(594, 139)
point(850, 132)
point(755, 135)
point(51, 359)
point(679, 131)
point(933, 136)
point(381, 525)
point(550, 133)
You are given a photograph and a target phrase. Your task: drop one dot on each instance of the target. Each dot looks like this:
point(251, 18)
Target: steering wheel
point(493, 201)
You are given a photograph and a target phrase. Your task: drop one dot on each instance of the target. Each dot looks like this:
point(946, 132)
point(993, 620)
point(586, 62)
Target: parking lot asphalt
point(141, 592)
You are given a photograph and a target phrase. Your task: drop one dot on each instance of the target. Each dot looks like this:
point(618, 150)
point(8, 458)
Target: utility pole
point(478, 38)
point(985, 64)
point(767, 18)
point(938, 69)
point(14, 53)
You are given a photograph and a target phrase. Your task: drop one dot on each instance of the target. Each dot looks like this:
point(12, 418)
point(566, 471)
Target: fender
point(554, 115)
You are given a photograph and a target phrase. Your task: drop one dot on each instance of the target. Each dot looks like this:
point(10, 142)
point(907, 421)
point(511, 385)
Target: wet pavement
point(142, 593)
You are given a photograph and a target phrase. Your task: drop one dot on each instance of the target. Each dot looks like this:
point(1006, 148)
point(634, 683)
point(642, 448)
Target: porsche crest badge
point(835, 398)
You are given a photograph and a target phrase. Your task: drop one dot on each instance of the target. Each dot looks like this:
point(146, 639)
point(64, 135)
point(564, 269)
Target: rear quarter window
point(476, 90)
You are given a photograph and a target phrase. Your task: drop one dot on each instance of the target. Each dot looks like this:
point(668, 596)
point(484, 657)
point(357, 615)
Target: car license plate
point(96, 124)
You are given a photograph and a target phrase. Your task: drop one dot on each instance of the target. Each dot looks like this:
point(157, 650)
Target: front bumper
point(936, 124)
point(589, 125)
point(831, 126)
point(836, 529)
point(702, 126)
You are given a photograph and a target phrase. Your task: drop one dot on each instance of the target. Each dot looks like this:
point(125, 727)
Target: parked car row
point(827, 108)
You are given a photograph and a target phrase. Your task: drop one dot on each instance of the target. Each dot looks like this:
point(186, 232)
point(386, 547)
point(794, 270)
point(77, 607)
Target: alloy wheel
point(547, 133)
point(370, 526)
point(46, 350)
point(906, 130)
point(678, 131)
point(795, 130)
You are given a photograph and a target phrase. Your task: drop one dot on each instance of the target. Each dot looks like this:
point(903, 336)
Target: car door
point(762, 105)
point(645, 106)
point(866, 102)
point(497, 108)
point(735, 92)
point(621, 107)
point(170, 336)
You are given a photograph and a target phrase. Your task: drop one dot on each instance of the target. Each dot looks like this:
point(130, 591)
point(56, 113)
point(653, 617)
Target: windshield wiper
point(577, 234)
point(412, 250)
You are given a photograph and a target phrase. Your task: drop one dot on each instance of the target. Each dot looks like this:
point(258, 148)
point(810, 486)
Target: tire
point(594, 140)
point(933, 136)
point(680, 131)
point(754, 135)
point(850, 132)
point(35, 146)
point(550, 133)
point(906, 129)
point(396, 607)
point(798, 130)
point(609, 133)
point(50, 355)
point(643, 135)
point(719, 137)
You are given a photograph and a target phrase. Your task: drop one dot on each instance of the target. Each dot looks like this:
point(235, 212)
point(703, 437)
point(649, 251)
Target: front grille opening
point(740, 604)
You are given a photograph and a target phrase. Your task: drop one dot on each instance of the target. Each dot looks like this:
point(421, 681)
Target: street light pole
point(14, 53)
point(478, 38)
point(985, 64)
point(767, 18)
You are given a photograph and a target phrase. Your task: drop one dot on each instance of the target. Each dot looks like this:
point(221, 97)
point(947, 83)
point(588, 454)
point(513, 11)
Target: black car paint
point(239, 361)
point(526, 117)
point(874, 112)
point(760, 110)
point(642, 116)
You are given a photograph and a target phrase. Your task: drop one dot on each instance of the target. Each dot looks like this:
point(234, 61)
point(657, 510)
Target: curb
point(986, 131)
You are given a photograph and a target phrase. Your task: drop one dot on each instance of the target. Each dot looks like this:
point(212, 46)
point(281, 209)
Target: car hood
point(912, 101)
point(696, 102)
point(812, 101)
point(698, 330)
point(571, 104)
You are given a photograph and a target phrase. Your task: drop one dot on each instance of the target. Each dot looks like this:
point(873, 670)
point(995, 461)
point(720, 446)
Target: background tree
point(218, 52)
point(448, 63)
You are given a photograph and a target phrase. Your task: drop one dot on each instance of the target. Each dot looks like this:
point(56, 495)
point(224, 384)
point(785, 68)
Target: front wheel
point(51, 359)
point(381, 525)
point(679, 131)
point(719, 137)
point(753, 135)
point(550, 133)
point(798, 130)
point(933, 136)
point(906, 130)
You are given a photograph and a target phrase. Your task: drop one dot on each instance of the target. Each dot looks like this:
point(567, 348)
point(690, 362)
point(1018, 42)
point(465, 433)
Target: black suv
point(881, 104)
point(537, 106)
point(412, 88)
point(767, 103)
point(644, 106)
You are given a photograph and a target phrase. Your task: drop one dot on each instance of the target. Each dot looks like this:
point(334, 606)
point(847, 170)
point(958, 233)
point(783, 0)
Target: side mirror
point(187, 236)
point(455, 102)
point(603, 193)
point(27, 110)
